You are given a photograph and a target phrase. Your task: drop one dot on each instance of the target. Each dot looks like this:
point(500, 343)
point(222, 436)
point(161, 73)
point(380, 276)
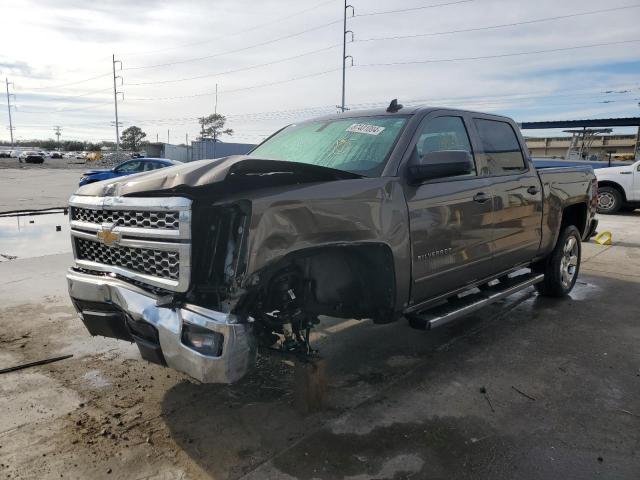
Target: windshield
point(357, 145)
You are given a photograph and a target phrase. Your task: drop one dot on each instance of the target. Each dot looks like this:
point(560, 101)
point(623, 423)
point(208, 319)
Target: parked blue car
point(137, 165)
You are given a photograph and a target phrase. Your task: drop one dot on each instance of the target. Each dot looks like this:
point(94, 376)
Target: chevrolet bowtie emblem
point(107, 236)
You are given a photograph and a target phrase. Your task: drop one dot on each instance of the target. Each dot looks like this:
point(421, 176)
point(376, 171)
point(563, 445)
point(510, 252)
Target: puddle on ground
point(34, 234)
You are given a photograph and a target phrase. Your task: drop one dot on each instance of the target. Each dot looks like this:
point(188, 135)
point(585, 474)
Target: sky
point(276, 62)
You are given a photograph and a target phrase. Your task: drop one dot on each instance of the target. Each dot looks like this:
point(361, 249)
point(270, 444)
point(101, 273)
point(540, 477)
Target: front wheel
point(561, 267)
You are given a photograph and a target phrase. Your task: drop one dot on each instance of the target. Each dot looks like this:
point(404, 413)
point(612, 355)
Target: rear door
point(516, 189)
point(449, 218)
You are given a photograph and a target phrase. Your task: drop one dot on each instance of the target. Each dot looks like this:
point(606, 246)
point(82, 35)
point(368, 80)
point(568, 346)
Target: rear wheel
point(609, 200)
point(561, 267)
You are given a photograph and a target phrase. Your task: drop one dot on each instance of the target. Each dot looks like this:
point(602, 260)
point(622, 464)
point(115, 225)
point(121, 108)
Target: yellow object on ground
point(603, 238)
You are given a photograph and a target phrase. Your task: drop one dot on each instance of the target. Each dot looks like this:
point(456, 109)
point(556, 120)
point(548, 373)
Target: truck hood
point(193, 177)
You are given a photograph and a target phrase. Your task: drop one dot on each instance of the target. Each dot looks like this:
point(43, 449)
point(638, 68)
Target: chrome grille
point(146, 240)
point(124, 218)
point(156, 263)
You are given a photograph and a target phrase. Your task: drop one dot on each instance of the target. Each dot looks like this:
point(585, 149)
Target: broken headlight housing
point(202, 340)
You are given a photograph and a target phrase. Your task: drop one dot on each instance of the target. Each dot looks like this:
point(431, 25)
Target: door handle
point(625, 173)
point(532, 190)
point(481, 197)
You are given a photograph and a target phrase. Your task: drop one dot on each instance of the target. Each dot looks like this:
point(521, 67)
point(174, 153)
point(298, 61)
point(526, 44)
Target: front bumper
point(127, 312)
point(592, 230)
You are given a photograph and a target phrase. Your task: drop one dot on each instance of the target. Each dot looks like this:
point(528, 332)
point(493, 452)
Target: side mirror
point(441, 164)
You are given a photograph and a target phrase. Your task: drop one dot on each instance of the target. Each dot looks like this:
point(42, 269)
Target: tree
point(131, 138)
point(213, 126)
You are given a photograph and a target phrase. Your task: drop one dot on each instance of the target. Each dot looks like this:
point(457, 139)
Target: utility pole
point(58, 131)
point(157, 141)
point(115, 98)
point(215, 112)
point(168, 135)
point(342, 106)
point(9, 109)
point(186, 139)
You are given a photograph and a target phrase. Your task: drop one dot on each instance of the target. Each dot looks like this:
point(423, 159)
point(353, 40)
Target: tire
point(609, 200)
point(562, 266)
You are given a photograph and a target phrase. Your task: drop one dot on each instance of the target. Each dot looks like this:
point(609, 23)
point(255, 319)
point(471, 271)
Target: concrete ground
point(528, 388)
point(35, 187)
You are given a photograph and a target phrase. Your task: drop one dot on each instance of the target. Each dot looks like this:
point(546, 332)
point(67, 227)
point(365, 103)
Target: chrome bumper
point(238, 351)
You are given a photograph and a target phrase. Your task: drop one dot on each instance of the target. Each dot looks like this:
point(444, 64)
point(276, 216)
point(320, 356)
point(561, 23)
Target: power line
point(413, 9)
point(207, 94)
point(414, 62)
point(317, 110)
point(52, 87)
point(89, 107)
point(228, 52)
point(86, 94)
point(503, 25)
point(250, 29)
point(503, 55)
point(242, 69)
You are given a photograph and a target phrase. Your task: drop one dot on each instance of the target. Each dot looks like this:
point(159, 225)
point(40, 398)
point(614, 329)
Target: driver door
point(450, 218)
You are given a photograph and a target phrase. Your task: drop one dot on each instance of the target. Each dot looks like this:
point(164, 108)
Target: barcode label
point(366, 129)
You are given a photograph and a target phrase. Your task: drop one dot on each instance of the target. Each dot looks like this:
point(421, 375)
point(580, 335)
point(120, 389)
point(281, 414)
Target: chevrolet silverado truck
point(423, 213)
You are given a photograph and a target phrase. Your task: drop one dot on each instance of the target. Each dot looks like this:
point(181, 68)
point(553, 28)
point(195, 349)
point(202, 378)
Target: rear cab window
point(500, 148)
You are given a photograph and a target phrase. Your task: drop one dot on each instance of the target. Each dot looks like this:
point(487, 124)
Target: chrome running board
point(460, 306)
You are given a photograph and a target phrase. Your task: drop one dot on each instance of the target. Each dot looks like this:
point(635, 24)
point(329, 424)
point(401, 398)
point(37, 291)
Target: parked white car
point(618, 188)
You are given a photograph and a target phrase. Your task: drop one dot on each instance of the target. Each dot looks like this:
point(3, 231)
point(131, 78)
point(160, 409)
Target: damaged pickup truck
point(425, 213)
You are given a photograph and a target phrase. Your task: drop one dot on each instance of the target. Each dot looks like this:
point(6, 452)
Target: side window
point(129, 167)
point(148, 166)
point(500, 147)
point(441, 134)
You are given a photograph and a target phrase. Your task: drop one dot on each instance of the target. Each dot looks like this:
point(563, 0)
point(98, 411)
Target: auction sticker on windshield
point(364, 128)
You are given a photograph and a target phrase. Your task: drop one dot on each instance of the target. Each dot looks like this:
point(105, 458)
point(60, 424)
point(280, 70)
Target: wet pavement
point(34, 234)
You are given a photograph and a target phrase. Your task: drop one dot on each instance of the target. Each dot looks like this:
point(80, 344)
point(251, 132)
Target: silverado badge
point(107, 236)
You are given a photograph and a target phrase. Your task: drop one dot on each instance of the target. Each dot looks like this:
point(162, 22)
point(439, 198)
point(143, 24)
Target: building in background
point(596, 147)
point(206, 148)
point(180, 153)
point(198, 150)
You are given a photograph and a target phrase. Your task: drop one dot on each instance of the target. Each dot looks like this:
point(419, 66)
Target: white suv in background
point(618, 188)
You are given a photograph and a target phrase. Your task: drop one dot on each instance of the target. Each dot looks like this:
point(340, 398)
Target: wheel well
point(575, 215)
point(346, 281)
point(608, 183)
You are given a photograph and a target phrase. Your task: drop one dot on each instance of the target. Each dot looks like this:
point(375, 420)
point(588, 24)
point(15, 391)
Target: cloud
point(8, 67)
point(71, 41)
